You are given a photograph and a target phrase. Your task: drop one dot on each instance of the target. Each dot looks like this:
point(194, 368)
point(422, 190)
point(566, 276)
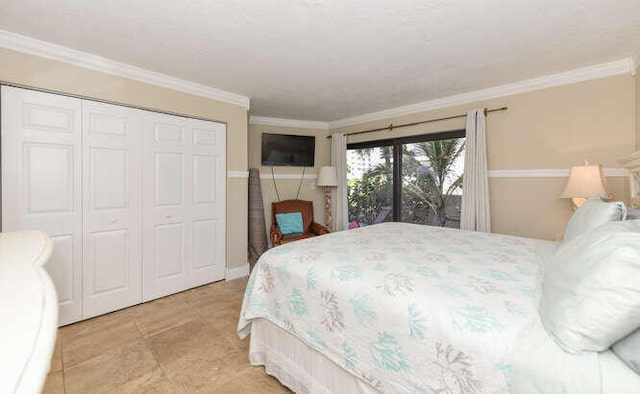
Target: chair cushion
point(289, 223)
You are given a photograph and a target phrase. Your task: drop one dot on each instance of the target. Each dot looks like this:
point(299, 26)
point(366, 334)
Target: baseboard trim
point(237, 272)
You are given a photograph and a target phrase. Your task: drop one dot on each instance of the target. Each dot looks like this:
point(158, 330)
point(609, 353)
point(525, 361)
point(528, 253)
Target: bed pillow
point(593, 213)
point(591, 288)
point(628, 350)
point(633, 213)
point(289, 223)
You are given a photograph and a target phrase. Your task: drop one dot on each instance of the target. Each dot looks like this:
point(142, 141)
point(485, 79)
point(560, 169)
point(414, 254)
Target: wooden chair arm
point(275, 235)
point(318, 229)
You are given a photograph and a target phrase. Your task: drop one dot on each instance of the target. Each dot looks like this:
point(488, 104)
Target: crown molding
point(32, 46)
point(293, 123)
point(624, 66)
point(551, 173)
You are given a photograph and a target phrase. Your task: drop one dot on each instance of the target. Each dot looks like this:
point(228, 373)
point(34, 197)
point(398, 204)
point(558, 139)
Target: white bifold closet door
point(133, 200)
point(112, 207)
point(41, 178)
point(184, 204)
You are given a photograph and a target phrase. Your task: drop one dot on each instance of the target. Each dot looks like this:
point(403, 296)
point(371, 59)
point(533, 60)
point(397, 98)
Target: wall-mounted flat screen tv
point(288, 150)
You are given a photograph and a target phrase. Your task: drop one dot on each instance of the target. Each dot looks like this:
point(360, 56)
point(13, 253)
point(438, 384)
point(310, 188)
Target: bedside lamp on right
point(584, 182)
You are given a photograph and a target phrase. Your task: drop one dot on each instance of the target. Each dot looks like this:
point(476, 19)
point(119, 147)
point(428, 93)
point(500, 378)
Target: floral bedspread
point(407, 308)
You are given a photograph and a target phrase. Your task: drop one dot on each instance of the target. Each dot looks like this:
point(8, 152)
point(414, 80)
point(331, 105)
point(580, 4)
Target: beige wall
point(43, 73)
point(553, 128)
point(289, 187)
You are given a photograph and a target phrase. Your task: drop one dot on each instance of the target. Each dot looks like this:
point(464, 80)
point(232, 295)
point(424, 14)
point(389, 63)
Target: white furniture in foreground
point(29, 310)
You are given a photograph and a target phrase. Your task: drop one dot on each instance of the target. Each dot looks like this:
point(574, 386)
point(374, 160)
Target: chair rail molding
point(237, 174)
point(551, 173)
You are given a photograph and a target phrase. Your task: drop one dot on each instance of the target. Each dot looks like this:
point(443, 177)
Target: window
point(415, 179)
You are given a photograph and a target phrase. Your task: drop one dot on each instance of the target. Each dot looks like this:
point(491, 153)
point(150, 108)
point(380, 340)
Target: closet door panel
point(208, 207)
point(41, 182)
point(112, 214)
point(109, 259)
point(169, 251)
point(166, 195)
point(184, 197)
point(169, 174)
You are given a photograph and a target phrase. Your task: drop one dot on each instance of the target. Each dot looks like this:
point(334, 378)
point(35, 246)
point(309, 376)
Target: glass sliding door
point(431, 189)
point(414, 179)
point(370, 185)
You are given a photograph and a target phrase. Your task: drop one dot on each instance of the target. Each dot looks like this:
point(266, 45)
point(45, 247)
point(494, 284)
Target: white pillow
point(591, 288)
point(593, 213)
point(628, 349)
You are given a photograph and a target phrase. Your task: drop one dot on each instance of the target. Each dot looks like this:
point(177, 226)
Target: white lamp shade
point(585, 181)
point(327, 177)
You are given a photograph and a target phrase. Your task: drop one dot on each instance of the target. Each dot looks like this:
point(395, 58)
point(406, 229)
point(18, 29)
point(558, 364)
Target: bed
point(399, 307)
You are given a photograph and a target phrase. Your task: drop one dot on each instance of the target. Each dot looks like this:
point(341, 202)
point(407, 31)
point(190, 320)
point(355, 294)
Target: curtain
point(339, 161)
point(475, 213)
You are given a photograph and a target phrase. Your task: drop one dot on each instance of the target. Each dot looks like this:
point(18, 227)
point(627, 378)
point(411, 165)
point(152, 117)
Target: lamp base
point(327, 207)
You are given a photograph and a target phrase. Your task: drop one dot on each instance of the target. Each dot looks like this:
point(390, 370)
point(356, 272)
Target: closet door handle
point(168, 216)
point(114, 220)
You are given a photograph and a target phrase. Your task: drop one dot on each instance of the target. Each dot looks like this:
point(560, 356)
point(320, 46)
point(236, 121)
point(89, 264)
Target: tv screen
point(288, 150)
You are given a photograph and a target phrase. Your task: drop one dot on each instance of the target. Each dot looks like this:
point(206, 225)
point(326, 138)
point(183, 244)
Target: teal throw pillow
point(289, 223)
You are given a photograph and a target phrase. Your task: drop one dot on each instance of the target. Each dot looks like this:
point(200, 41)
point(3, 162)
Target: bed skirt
point(296, 365)
point(304, 370)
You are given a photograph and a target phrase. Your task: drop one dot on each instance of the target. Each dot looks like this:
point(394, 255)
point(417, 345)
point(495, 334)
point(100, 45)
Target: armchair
point(309, 227)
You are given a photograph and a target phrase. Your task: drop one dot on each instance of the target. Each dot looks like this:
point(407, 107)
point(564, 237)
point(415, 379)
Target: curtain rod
point(391, 126)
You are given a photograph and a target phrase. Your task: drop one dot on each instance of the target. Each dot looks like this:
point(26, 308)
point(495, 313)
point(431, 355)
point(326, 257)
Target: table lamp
point(584, 182)
point(328, 178)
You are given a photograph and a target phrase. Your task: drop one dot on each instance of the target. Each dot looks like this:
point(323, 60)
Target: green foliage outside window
point(427, 188)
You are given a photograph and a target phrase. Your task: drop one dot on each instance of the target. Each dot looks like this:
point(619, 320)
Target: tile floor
point(183, 343)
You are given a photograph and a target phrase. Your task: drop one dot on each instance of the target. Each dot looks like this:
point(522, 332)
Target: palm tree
point(430, 186)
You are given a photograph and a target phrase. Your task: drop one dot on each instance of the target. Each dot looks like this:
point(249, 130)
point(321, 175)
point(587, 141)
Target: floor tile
point(241, 345)
point(154, 317)
point(153, 382)
point(110, 370)
point(224, 320)
point(252, 381)
point(54, 383)
point(56, 359)
point(87, 339)
point(187, 340)
point(204, 372)
point(183, 343)
point(85, 327)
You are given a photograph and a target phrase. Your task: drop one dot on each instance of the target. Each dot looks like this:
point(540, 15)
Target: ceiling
point(332, 59)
